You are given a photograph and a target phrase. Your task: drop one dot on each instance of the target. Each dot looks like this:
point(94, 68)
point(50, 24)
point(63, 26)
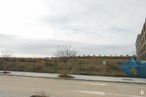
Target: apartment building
point(141, 44)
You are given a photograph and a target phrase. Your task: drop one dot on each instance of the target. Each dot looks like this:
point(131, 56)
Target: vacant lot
point(12, 86)
point(95, 65)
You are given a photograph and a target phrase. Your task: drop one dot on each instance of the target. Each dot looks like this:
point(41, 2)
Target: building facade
point(141, 44)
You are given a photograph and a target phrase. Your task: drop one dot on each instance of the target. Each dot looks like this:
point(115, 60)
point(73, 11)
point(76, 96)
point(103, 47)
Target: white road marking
point(108, 94)
point(93, 92)
point(98, 84)
point(123, 95)
point(67, 86)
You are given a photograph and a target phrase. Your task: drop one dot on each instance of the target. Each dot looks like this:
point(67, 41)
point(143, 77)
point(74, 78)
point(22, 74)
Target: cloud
point(101, 20)
point(102, 27)
point(46, 48)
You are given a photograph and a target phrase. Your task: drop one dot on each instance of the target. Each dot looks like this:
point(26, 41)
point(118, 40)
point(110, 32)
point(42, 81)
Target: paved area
point(83, 77)
point(16, 86)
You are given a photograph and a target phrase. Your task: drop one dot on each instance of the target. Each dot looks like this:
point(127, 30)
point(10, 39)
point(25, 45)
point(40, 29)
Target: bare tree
point(6, 55)
point(65, 53)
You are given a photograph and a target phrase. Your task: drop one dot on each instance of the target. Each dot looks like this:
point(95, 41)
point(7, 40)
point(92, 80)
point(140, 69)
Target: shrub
point(65, 75)
point(40, 94)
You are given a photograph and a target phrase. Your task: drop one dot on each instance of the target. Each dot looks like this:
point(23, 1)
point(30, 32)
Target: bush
point(5, 72)
point(37, 96)
point(64, 75)
point(40, 94)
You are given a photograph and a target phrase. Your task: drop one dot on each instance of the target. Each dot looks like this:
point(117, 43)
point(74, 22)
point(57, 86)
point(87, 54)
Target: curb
point(77, 79)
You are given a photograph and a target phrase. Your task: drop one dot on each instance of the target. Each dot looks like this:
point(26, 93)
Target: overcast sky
point(35, 28)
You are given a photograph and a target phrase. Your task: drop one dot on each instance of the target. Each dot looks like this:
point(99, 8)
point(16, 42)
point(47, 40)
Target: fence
point(134, 68)
point(84, 67)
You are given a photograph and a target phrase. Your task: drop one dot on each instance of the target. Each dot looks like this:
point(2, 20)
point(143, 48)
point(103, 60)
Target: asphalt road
point(14, 86)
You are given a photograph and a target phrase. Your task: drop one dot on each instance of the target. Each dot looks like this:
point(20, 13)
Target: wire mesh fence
point(85, 66)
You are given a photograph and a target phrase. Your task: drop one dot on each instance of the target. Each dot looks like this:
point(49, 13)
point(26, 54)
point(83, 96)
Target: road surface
point(14, 86)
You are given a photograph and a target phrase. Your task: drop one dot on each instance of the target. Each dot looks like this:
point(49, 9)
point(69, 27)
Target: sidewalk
point(82, 77)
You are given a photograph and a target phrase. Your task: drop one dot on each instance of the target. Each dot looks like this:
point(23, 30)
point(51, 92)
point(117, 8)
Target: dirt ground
point(14, 86)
